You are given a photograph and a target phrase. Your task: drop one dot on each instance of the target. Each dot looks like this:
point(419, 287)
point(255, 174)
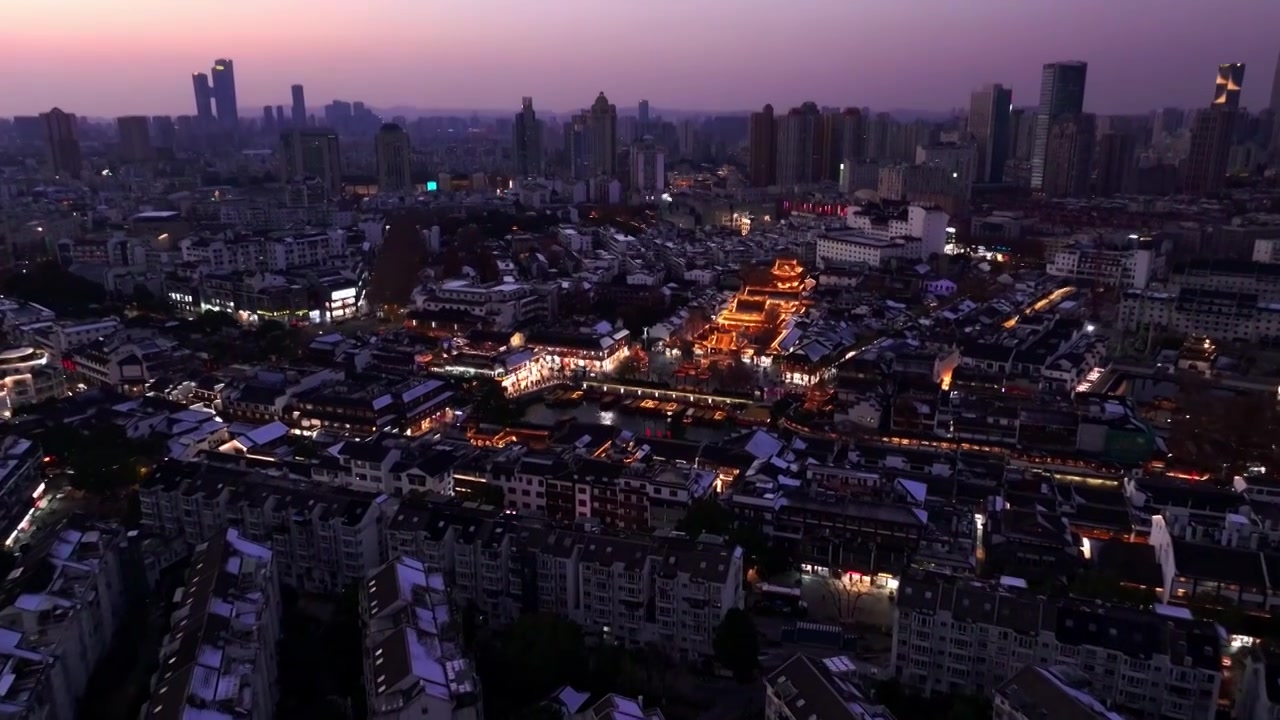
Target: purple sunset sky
point(103, 58)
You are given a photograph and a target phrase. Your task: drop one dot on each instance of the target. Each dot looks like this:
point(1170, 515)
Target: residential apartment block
point(630, 589)
point(805, 687)
point(1058, 692)
point(323, 539)
point(58, 612)
point(20, 485)
point(219, 658)
point(414, 661)
point(955, 635)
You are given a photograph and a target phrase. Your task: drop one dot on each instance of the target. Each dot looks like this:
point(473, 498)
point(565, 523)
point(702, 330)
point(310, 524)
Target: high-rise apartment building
point(643, 113)
point(603, 137)
point(135, 138)
point(268, 118)
point(1061, 93)
point(763, 137)
point(1022, 134)
point(800, 160)
point(527, 131)
point(648, 169)
point(1214, 133)
point(394, 159)
point(224, 93)
point(591, 141)
point(989, 109)
point(830, 149)
point(298, 110)
point(312, 153)
point(853, 141)
point(62, 142)
point(1069, 155)
point(576, 146)
point(688, 139)
point(163, 132)
point(204, 98)
point(279, 117)
point(960, 161)
point(1116, 161)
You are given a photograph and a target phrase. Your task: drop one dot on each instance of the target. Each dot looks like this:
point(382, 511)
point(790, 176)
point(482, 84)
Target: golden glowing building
point(757, 314)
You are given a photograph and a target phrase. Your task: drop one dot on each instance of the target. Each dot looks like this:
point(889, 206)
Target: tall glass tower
point(1061, 93)
point(224, 93)
point(204, 97)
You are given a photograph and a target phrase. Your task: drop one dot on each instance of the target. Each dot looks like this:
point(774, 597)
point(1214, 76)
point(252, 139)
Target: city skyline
point(1147, 55)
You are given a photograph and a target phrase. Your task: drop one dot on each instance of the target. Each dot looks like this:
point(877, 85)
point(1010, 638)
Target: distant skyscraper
point(688, 139)
point(603, 137)
point(881, 131)
point(280, 116)
point(527, 136)
point(989, 108)
point(63, 143)
point(830, 148)
point(299, 107)
point(763, 138)
point(224, 93)
point(1061, 93)
point(163, 132)
point(135, 138)
point(29, 129)
point(395, 159)
point(1116, 153)
point(853, 144)
point(204, 98)
point(339, 114)
point(1214, 132)
point(644, 116)
point(1069, 155)
point(648, 169)
point(1166, 121)
point(576, 146)
point(268, 118)
point(1226, 89)
point(312, 153)
point(1022, 134)
point(800, 159)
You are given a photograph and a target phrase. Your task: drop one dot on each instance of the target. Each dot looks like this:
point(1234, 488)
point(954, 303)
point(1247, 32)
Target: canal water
point(640, 425)
point(1145, 390)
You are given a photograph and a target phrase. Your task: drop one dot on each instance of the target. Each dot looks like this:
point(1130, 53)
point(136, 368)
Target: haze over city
point(136, 56)
point(648, 360)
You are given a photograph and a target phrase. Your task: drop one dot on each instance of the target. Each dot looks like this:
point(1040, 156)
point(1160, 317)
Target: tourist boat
point(608, 401)
point(671, 408)
point(649, 406)
point(564, 397)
